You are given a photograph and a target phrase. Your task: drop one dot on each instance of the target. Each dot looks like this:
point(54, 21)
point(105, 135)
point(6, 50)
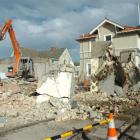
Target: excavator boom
point(16, 49)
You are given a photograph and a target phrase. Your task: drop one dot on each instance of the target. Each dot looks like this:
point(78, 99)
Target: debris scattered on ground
point(18, 105)
point(21, 103)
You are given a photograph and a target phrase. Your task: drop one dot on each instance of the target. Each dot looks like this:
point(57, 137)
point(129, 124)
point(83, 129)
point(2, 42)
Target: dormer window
point(108, 37)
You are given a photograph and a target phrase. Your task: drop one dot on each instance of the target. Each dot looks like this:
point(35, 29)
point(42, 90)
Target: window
point(53, 61)
point(88, 69)
point(65, 61)
point(108, 38)
point(76, 73)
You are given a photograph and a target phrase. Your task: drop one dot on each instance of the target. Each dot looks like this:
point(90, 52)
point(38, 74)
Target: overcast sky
point(41, 24)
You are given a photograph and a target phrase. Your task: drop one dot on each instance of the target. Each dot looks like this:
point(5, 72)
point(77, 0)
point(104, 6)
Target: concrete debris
point(42, 98)
point(136, 87)
point(2, 76)
point(54, 85)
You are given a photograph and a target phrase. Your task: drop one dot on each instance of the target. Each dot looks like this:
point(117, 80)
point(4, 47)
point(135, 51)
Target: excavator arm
point(7, 27)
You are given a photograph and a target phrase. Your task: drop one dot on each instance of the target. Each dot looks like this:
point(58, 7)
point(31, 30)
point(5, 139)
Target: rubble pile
point(19, 106)
point(16, 107)
point(101, 103)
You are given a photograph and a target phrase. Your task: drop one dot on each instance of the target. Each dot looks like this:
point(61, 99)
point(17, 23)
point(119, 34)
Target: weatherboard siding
point(124, 42)
point(106, 29)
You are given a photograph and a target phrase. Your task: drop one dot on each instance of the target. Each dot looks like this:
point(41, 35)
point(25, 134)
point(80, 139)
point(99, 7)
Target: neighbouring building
point(125, 41)
point(55, 55)
point(44, 61)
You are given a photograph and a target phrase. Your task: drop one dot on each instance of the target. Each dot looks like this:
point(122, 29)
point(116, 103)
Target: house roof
point(52, 53)
point(106, 21)
point(86, 36)
point(129, 29)
point(98, 48)
point(92, 34)
point(28, 52)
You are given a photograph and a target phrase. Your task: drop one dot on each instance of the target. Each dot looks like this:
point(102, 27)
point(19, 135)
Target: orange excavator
point(23, 66)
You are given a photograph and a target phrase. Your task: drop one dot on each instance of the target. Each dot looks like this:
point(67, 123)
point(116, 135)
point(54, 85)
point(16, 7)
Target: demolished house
point(110, 53)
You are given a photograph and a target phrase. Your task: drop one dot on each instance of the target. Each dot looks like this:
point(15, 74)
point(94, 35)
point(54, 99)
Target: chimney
point(52, 49)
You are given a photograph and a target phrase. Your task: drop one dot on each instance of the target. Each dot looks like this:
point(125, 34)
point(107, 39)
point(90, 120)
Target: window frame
point(88, 74)
point(108, 35)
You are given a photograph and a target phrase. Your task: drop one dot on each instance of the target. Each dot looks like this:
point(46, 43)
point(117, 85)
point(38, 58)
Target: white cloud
point(42, 24)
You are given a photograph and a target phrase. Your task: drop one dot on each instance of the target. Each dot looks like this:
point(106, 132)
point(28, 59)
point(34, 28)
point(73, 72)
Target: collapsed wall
point(110, 75)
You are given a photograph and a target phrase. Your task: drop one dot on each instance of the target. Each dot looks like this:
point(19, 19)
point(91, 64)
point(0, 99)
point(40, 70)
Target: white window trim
point(87, 69)
point(90, 44)
point(108, 35)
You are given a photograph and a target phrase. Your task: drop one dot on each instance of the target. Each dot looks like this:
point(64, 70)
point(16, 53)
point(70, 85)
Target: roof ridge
point(103, 21)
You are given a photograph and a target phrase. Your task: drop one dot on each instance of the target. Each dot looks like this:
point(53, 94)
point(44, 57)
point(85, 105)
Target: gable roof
point(51, 53)
point(106, 21)
point(28, 52)
point(123, 29)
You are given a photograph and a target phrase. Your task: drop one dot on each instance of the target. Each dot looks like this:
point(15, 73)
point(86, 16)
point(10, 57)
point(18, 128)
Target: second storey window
point(108, 38)
point(88, 69)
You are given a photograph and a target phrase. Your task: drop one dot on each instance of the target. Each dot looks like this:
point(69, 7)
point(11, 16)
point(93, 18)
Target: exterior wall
point(106, 29)
point(65, 58)
point(129, 41)
point(85, 59)
point(125, 41)
point(41, 67)
point(83, 69)
point(85, 49)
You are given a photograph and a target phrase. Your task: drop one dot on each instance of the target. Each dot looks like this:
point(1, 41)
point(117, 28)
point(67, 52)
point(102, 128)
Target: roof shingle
point(52, 53)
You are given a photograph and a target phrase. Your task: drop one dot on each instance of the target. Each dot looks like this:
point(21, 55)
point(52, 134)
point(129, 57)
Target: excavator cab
point(10, 68)
point(10, 71)
point(25, 68)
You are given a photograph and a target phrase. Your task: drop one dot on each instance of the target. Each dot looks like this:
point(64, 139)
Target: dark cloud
point(40, 24)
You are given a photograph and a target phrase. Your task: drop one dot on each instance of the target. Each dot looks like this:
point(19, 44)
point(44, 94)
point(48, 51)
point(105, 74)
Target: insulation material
point(58, 87)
